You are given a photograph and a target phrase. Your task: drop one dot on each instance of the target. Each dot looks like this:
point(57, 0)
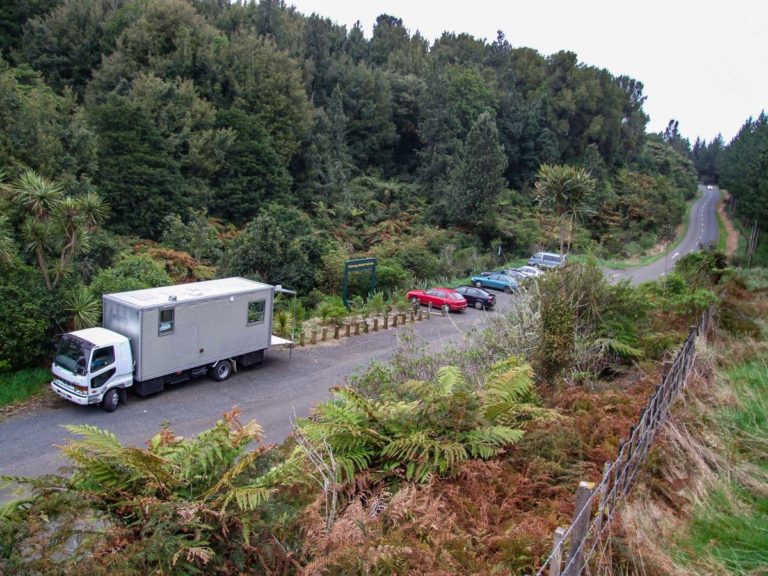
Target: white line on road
point(676, 254)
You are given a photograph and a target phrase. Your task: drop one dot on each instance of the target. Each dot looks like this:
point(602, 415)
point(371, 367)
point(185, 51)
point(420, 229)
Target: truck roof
point(99, 336)
point(195, 291)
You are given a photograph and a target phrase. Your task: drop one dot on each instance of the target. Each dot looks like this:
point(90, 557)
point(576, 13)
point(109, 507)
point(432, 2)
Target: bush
point(30, 314)
point(132, 272)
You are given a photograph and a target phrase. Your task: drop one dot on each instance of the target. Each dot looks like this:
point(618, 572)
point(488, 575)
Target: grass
point(19, 386)
point(722, 237)
point(729, 526)
point(760, 259)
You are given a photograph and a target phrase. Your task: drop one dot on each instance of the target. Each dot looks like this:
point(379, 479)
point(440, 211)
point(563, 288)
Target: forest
point(153, 141)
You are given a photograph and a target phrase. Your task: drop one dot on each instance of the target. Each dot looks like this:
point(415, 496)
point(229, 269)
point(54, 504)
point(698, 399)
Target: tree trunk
point(43, 266)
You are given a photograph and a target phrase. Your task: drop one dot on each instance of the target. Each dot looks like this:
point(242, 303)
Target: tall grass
point(19, 386)
point(729, 525)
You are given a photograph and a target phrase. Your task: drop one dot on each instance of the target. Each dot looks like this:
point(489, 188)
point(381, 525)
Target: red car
point(446, 298)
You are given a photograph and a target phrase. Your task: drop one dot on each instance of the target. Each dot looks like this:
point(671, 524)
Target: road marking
point(676, 254)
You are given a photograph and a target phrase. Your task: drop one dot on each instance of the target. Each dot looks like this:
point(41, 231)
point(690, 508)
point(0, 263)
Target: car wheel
point(507, 290)
point(414, 300)
point(479, 284)
point(111, 400)
point(222, 371)
point(446, 308)
point(478, 305)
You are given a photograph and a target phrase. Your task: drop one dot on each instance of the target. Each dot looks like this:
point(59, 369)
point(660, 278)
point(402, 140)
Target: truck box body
point(176, 328)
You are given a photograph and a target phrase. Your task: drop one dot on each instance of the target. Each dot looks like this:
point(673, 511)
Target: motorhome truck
point(159, 336)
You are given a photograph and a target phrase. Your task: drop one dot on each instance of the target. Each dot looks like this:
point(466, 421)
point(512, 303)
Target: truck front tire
point(222, 371)
point(111, 400)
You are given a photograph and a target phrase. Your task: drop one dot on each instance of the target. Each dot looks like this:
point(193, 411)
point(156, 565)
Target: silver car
point(547, 260)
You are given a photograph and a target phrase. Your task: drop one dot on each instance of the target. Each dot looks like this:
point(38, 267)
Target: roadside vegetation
point(702, 507)
point(462, 461)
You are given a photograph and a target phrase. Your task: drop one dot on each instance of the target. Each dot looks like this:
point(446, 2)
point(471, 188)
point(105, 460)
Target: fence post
point(336, 332)
point(579, 527)
point(394, 320)
point(301, 339)
point(375, 324)
point(365, 326)
point(346, 330)
point(357, 328)
point(601, 500)
point(556, 562)
point(314, 336)
point(325, 334)
point(386, 320)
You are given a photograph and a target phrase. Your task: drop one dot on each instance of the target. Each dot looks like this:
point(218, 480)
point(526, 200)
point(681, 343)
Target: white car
point(530, 271)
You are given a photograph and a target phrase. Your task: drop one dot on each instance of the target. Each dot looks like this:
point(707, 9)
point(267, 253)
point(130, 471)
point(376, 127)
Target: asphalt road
point(271, 393)
point(702, 230)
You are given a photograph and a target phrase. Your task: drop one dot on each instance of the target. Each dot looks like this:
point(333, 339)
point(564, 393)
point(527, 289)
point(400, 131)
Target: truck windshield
point(73, 354)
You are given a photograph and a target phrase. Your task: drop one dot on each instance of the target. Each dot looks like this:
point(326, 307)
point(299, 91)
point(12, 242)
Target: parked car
point(495, 281)
point(513, 273)
point(530, 271)
point(477, 297)
point(547, 260)
point(446, 298)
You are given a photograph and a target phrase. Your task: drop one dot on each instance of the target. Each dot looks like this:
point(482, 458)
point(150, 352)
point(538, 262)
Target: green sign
point(359, 265)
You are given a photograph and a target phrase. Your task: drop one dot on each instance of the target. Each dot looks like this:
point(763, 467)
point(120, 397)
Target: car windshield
point(453, 296)
point(73, 353)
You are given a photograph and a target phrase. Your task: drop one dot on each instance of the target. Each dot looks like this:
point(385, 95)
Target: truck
point(159, 336)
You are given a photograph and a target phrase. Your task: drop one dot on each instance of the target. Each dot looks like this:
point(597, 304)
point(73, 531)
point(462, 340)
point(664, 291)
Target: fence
point(596, 505)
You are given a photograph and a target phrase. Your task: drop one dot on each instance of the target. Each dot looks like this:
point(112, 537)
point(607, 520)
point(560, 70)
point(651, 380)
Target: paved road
point(270, 393)
point(702, 230)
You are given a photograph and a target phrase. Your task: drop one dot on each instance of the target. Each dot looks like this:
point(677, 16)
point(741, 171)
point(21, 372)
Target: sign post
point(359, 265)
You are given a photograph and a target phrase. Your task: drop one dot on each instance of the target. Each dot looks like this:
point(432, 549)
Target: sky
point(703, 63)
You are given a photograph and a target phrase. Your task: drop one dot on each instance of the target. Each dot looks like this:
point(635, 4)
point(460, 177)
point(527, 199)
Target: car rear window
point(453, 296)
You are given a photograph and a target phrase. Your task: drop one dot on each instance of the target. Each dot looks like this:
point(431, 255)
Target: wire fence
point(596, 504)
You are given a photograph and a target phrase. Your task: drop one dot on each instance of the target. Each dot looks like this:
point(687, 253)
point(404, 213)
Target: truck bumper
point(72, 397)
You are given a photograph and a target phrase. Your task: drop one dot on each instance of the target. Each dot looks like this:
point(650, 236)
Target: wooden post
point(556, 564)
point(346, 330)
point(442, 310)
point(386, 320)
point(579, 527)
point(601, 501)
point(314, 336)
point(429, 309)
point(301, 339)
point(325, 334)
point(419, 317)
point(357, 328)
point(336, 332)
point(402, 318)
point(394, 320)
point(365, 326)
point(413, 316)
point(375, 324)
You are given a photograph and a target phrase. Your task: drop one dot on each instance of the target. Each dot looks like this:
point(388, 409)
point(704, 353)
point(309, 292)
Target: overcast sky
point(702, 63)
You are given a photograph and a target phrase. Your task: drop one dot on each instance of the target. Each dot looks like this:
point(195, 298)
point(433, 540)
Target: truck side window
point(165, 322)
point(256, 312)
point(102, 357)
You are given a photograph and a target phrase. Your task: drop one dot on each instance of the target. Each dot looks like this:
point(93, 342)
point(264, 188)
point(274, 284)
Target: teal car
point(495, 281)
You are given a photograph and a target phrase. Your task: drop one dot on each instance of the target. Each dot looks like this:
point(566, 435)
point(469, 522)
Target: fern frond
point(449, 378)
point(620, 348)
point(249, 498)
point(487, 442)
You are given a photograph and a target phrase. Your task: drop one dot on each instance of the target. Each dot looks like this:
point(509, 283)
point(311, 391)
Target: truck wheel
point(111, 400)
point(222, 371)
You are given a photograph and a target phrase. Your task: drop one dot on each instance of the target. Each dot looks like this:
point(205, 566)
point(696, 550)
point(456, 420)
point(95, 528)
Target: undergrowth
point(22, 385)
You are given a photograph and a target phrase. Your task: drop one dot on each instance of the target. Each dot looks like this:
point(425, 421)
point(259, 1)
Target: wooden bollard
point(325, 334)
point(394, 321)
point(336, 332)
point(365, 326)
point(386, 321)
point(346, 331)
point(301, 339)
point(442, 310)
point(403, 318)
point(413, 316)
point(375, 324)
point(419, 317)
point(357, 328)
point(314, 336)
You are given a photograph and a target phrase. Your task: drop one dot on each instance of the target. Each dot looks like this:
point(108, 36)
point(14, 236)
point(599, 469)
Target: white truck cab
point(93, 366)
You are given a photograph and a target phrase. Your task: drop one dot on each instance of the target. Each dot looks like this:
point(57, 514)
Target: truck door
point(102, 370)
